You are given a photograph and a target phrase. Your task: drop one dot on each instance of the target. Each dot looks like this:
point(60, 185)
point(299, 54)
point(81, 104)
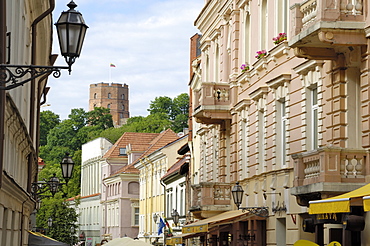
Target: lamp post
point(50, 224)
point(39, 188)
point(67, 165)
point(155, 217)
point(237, 193)
point(71, 29)
point(175, 216)
point(73, 231)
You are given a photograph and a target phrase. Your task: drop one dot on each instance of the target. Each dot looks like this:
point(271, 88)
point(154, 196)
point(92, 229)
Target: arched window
point(123, 96)
point(95, 95)
point(122, 107)
point(109, 95)
point(108, 106)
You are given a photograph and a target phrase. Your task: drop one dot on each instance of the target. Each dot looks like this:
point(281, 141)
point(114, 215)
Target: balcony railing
point(331, 165)
point(323, 23)
point(210, 196)
point(212, 103)
point(313, 11)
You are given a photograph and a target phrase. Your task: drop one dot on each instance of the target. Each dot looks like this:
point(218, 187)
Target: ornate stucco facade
point(292, 127)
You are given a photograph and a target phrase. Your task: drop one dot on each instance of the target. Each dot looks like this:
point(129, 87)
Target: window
point(95, 95)
point(281, 132)
point(261, 140)
point(264, 22)
point(282, 16)
point(314, 119)
point(122, 107)
point(122, 151)
point(217, 64)
point(109, 95)
point(108, 106)
point(123, 96)
point(136, 216)
point(247, 35)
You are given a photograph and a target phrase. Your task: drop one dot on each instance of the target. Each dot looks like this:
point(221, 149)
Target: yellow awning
point(174, 240)
point(339, 204)
point(203, 225)
point(366, 200)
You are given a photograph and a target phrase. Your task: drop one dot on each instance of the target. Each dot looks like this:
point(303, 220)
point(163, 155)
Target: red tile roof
point(174, 168)
point(137, 140)
point(161, 140)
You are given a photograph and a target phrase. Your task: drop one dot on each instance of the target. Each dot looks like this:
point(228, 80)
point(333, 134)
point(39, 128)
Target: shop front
point(341, 218)
point(229, 228)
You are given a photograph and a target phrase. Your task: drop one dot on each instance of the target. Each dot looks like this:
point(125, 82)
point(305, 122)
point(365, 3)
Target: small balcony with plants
point(212, 103)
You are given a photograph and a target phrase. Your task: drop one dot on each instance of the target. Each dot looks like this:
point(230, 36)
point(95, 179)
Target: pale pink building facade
point(291, 128)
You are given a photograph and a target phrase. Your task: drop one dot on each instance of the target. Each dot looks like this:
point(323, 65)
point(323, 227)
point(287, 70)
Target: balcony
point(212, 103)
point(321, 27)
point(210, 198)
point(329, 171)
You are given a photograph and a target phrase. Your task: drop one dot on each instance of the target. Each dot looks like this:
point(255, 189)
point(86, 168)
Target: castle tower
point(113, 96)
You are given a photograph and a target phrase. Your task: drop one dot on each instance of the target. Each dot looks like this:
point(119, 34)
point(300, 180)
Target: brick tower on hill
point(113, 96)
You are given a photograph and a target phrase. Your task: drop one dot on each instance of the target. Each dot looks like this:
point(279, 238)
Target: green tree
point(161, 105)
point(181, 104)
point(63, 218)
point(78, 117)
point(100, 117)
point(48, 120)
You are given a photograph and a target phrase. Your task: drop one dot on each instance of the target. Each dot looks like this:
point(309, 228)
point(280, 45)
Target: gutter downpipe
point(2, 92)
point(34, 119)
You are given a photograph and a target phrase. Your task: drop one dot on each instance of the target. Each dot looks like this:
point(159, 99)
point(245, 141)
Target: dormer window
point(122, 151)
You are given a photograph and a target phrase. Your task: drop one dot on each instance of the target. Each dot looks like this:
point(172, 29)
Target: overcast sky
point(148, 42)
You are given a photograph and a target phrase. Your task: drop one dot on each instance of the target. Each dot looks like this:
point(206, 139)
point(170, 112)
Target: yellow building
point(153, 164)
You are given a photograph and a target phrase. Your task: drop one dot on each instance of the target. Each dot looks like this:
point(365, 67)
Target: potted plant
point(280, 38)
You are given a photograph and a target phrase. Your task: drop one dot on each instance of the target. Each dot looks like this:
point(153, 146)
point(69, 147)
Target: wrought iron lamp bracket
point(259, 211)
point(13, 74)
point(39, 188)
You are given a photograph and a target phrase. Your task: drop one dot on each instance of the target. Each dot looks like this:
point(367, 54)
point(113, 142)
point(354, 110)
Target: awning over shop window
point(204, 225)
point(174, 240)
point(366, 203)
point(38, 239)
point(341, 203)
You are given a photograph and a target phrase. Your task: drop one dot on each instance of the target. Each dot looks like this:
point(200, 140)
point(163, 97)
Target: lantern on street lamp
point(237, 193)
point(175, 216)
point(50, 222)
point(54, 184)
point(155, 217)
point(67, 165)
point(71, 29)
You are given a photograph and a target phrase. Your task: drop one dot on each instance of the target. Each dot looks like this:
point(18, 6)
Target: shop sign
point(328, 218)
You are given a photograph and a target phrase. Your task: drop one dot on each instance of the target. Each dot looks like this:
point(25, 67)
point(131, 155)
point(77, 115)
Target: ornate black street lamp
point(71, 29)
point(53, 184)
point(237, 193)
point(175, 216)
point(67, 165)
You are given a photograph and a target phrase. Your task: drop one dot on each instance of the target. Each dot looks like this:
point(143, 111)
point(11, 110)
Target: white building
point(89, 208)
